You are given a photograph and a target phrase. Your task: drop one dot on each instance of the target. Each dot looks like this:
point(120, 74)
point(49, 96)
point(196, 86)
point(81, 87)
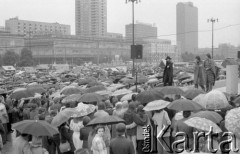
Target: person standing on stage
point(168, 72)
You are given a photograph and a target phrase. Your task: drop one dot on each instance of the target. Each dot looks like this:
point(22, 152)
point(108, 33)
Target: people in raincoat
point(199, 74)
point(209, 66)
point(168, 72)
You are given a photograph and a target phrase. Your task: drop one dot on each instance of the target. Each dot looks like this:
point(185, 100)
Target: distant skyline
point(160, 12)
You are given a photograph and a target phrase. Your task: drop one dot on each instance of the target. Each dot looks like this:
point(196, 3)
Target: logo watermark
point(147, 139)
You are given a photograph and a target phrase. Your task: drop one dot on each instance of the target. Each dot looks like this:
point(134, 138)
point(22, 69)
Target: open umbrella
point(149, 96)
point(94, 83)
point(70, 90)
point(72, 98)
point(121, 92)
point(84, 109)
point(2, 91)
point(184, 105)
point(128, 97)
point(171, 90)
point(156, 105)
point(210, 115)
point(63, 116)
point(192, 93)
point(199, 99)
point(215, 100)
point(106, 120)
point(232, 121)
point(183, 76)
point(36, 89)
point(91, 97)
point(35, 128)
point(203, 124)
point(21, 93)
point(153, 80)
point(95, 89)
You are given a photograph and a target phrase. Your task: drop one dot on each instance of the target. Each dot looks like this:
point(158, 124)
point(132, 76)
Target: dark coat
point(199, 74)
point(66, 136)
point(168, 73)
point(121, 145)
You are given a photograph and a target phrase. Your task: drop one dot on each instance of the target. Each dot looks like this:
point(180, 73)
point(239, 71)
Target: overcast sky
point(160, 12)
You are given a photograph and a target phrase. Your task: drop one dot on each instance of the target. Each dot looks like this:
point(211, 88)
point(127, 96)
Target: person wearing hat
point(209, 66)
point(120, 144)
point(168, 72)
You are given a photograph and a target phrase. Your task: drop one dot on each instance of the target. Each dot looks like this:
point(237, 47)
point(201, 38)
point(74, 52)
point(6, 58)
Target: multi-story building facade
point(187, 27)
point(25, 27)
point(141, 31)
point(91, 18)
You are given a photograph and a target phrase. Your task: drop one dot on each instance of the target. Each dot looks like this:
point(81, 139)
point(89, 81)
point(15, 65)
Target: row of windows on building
point(35, 25)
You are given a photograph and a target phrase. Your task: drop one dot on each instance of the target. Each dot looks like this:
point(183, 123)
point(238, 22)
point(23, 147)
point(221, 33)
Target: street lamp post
point(212, 20)
point(133, 41)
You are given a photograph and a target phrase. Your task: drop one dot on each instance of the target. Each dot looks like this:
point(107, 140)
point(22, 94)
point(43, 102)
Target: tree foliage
point(10, 58)
point(26, 58)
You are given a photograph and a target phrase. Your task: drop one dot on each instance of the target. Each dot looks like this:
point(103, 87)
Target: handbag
point(64, 147)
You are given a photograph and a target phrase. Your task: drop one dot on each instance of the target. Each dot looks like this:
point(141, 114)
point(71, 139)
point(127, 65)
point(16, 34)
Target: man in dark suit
point(120, 144)
point(168, 72)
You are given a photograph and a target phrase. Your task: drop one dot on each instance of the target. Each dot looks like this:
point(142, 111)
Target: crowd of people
point(76, 137)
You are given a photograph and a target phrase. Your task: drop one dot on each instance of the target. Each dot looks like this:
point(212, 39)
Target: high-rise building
point(91, 17)
point(187, 27)
point(22, 27)
point(141, 31)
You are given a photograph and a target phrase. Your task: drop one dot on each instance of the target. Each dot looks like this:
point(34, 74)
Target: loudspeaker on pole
point(136, 51)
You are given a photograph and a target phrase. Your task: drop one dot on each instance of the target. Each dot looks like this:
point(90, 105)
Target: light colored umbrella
point(153, 80)
point(104, 92)
point(199, 99)
point(156, 105)
point(84, 109)
point(72, 98)
point(127, 97)
point(232, 121)
point(35, 128)
point(215, 100)
point(121, 92)
point(203, 124)
point(184, 105)
point(68, 90)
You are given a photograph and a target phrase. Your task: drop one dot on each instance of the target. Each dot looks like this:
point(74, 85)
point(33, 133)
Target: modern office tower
point(187, 27)
point(91, 18)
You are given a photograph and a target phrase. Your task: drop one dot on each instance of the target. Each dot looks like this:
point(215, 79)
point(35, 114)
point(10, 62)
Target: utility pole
point(212, 20)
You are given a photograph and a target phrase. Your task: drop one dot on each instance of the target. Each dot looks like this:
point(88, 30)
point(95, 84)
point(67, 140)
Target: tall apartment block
point(22, 27)
point(187, 27)
point(91, 18)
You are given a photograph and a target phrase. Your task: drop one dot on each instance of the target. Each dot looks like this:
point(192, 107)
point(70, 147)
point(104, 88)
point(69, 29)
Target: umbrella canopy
point(35, 128)
point(36, 89)
point(210, 115)
point(91, 97)
point(128, 97)
point(63, 116)
point(171, 90)
point(232, 121)
point(70, 90)
point(94, 83)
point(183, 76)
point(184, 105)
point(203, 124)
point(149, 96)
point(199, 99)
point(95, 89)
point(84, 109)
point(153, 80)
point(2, 91)
point(121, 92)
point(215, 100)
point(21, 93)
point(72, 98)
point(156, 105)
point(85, 81)
point(104, 93)
point(192, 93)
point(106, 120)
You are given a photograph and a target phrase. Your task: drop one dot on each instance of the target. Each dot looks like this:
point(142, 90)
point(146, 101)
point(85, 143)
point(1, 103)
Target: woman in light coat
point(199, 74)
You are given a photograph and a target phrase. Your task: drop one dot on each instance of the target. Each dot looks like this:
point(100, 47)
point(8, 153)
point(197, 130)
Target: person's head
point(119, 106)
point(134, 97)
point(100, 130)
point(86, 120)
point(132, 106)
point(198, 59)
point(121, 128)
point(168, 59)
point(167, 99)
point(25, 136)
point(208, 56)
point(186, 114)
point(101, 106)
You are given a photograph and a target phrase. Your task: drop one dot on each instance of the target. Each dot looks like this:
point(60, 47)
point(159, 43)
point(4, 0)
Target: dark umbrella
point(72, 98)
point(21, 93)
point(35, 128)
point(106, 120)
point(183, 76)
point(36, 89)
point(192, 93)
point(91, 97)
point(149, 96)
point(94, 83)
point(184, 105)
